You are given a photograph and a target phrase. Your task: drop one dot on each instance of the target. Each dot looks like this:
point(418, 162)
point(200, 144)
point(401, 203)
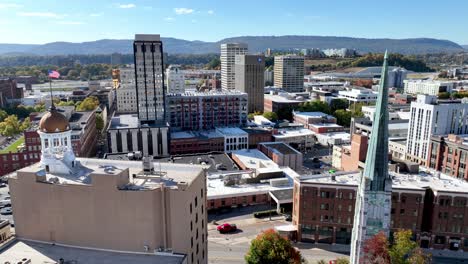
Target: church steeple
point(376, 168)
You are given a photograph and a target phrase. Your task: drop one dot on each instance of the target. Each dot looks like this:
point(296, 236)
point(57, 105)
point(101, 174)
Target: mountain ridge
point(256, 44)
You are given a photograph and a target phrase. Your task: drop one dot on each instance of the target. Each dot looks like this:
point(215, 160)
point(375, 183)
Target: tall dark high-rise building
point(149, 80)
point(249, 78)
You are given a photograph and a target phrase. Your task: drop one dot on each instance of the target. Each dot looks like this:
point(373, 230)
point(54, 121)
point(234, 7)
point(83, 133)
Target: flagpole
point(51, 96)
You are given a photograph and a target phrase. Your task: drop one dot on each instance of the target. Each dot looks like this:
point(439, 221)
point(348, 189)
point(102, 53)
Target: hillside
point(465, 46)
point(256, 44)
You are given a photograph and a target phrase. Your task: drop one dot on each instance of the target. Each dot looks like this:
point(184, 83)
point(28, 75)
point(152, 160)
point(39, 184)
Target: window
point(201, 193)
point(196, 201)
point(190, 208)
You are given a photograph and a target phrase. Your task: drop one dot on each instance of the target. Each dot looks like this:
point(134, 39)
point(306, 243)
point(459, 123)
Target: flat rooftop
point(81, 173)
point(284, 133)
point(196, 134)
point(419, 182)
point(255, 159)
point(280, 147)
point(287, 98)
point(312, 114)
point(321, 125)
point(124, 121)
point(231, 131)
point(47, 253)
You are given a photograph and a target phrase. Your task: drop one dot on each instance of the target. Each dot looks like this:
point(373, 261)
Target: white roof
point(325, 125)
point(293, 133)
point(231, 131)
point(335, 135)
point(255, 159)
point(310, 114)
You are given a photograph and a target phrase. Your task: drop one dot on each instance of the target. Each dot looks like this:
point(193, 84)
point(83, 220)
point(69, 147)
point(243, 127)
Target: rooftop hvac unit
point(148, 165)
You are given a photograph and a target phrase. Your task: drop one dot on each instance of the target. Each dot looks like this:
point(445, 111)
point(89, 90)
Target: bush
point(266, 213)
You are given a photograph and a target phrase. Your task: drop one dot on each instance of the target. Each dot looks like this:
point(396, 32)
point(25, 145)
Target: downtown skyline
point(32, 22)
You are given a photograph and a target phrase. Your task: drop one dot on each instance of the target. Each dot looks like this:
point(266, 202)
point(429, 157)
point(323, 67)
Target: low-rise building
point(125, 133)
point(396, 128)
point(429, 87)
point(358, 96)
point(234, 138)
point(258, 135)
point(333, 138)
point(322, 128)
point(432, 207)
point(9, 91)
point(277, 102)
point(307, 118)
point(282, 154)
point(397, 147)
point(301, 138)
point(188, 142)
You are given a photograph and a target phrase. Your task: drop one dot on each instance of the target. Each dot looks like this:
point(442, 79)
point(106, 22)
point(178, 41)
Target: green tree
point(343, 117)
point(443, 95)
point(10, 126)
point(99, 122)
point(272, 116)
point(342, 261)
point(336, 104)
point(88, 104)
point(25, 124)
point(269, 247)
point(404, 249)
point(3, 115)
point(214, 63)
point(314, 106)
point(66, 103)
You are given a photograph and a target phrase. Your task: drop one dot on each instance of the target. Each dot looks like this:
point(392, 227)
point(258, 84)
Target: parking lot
point(231, 248)
point(3, 194)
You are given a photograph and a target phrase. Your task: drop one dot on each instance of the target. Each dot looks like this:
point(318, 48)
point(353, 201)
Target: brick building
point(449, 154)
point(434, 207)
point(9, 91)
point(282, 154)
point(258, 135)
point(206, 110)
point(188, 142)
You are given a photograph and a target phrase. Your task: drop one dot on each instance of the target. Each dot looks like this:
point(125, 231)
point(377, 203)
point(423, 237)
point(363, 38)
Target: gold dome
point(53, 122)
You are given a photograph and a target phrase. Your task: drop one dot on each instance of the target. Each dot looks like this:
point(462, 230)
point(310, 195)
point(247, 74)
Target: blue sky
point(42, 21)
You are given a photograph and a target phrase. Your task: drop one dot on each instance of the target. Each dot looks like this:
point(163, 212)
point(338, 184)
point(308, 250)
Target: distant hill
point(465, 46)
point(256, 44)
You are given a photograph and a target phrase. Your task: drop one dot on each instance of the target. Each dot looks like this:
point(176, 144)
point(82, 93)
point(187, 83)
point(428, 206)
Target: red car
point(226, 228)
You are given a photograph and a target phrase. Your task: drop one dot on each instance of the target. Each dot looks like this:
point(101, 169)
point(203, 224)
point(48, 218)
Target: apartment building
point(175, 79)
point(449, 154)
point(429, 87)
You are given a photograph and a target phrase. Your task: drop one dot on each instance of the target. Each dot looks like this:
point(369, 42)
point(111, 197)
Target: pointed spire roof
point(376, 168)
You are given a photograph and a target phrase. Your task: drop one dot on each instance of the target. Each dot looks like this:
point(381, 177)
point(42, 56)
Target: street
point(231, 248)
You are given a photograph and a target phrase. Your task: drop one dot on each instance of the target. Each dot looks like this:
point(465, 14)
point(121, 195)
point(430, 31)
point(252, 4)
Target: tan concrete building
point(289, 73)
point(249, 78)
point(125, 206)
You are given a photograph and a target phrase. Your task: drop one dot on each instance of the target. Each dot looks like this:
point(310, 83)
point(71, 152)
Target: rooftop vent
point(148, 165)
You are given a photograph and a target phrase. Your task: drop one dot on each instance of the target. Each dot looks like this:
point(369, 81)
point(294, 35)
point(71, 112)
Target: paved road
point(231, 248)
point(3, 193)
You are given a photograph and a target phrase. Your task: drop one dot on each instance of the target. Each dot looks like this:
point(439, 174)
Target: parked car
point(6, 201)
point(226, 228)
point(3, 185)
point(288, 217)
point(6, 211)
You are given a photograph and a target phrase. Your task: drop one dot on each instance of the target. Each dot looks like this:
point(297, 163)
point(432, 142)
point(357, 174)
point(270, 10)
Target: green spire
point(376, 168)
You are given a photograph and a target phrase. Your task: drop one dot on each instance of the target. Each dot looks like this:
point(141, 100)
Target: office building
point(175, 80)
point(71, 201)
point(276, 102)
point(206, 110)
point(126, 92)
point(396, 77)
point(372, 209)
point(289, 73)
point(358, 96)
point(126, 134)
point(228, 58)
point(429, 117)
point(429, 87)
point(249, 76)
point(149, 81)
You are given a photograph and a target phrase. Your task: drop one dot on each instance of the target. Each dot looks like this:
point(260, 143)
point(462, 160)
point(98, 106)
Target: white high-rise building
point(431, 117)
point(126, 92)
point(289, 73)
point(148, 54)
point(228, 59)
point(175, 80)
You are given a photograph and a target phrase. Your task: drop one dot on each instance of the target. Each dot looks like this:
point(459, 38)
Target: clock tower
point(373, 198)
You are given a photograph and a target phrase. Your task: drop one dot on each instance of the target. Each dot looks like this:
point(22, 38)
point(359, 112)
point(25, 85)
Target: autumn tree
point(10, 126)
point(406, 251)
point(443, 95)
point(99, 122)
point(269, 247)
point(88, 104)
point(376, 250)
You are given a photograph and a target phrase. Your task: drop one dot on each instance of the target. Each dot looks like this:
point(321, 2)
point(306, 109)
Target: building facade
point(9, 91)
point(432, 117)
point(427, 87)
point(149, 81)
point(449, 154)
point(289, 73)
point(126, 134)
point(206, 110)
point(175, 79)
point(228, 59)
point(249, 78)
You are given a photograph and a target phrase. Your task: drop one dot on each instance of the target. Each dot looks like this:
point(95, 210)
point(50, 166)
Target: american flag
point(54, 74)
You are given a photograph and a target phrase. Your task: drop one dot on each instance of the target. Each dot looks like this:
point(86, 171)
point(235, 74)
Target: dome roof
point(53, 122)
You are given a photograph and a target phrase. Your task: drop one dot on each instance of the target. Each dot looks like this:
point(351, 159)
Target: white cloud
point(9, 5)
point(210, 12)
point(169, 19)
point(70, 23)
point(126, 6)
point(96, 14)
point(40, 14)
point(183, 11)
